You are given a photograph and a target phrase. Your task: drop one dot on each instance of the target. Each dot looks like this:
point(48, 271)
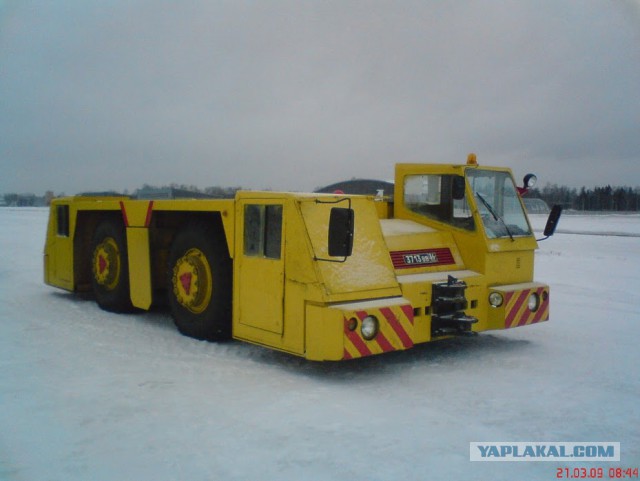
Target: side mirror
point(341, 227)
point(458, 187)
point(552, 221)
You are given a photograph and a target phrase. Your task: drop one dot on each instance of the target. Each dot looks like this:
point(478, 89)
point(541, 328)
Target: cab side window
point(439, 197)
point(62, 220)
point(263, 230)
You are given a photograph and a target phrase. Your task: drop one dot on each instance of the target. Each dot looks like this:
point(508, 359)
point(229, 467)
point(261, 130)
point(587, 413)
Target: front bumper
point(335, 332)
point(515, 310)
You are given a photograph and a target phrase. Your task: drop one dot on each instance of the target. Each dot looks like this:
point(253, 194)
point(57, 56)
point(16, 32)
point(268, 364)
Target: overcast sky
point(292, 95)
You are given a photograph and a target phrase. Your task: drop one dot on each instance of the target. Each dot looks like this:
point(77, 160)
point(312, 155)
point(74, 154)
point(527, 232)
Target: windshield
point(498, 203)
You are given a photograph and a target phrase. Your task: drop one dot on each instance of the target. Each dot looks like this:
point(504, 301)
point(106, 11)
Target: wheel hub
point(192, 284)
point(106, 263)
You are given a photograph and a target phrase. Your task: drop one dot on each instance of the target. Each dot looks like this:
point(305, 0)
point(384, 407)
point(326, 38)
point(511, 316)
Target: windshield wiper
point(496, 217)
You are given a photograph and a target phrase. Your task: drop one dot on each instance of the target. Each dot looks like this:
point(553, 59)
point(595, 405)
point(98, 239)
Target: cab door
point(259, 264)
point(60, 269)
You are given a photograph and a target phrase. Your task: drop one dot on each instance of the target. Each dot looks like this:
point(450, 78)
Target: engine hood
point(417, 248)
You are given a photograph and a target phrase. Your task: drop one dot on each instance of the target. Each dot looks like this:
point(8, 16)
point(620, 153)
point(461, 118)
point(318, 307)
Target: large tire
point(199, 277)
point(110, 267)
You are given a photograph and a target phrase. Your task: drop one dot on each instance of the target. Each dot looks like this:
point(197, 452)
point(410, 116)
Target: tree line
point(608, 198)
point(212, 191)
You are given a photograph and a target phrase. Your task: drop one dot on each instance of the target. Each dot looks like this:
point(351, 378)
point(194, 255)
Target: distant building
point(360, 187)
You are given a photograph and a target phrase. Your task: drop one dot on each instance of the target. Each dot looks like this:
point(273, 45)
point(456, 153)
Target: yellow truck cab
point(322, 276)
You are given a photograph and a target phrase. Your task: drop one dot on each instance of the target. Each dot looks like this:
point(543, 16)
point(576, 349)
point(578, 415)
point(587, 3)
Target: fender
point(137, 217)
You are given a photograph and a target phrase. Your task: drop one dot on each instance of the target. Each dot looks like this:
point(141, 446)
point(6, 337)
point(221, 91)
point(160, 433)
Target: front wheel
point(199, 274)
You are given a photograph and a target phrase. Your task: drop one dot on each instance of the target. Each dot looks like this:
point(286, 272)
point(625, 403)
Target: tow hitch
point(448, 305)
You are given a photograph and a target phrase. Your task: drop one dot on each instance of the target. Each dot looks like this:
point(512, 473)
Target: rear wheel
point(110, 269)
point(199, 274)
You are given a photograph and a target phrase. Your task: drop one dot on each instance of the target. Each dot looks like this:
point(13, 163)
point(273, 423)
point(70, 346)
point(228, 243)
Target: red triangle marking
point(102, 264)
point(185, 280)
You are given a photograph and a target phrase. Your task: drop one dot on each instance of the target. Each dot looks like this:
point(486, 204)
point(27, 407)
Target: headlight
point(369, 328)
point(533, 302)
point(495, 299)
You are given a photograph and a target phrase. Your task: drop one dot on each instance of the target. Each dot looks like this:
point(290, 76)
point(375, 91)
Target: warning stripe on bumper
point(517, 312)
point(396, 328)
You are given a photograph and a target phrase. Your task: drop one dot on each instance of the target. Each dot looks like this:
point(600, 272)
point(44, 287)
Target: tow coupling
point(448, 305)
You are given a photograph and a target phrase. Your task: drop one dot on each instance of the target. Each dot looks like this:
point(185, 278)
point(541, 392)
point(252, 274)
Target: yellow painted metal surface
point(58, 252)
point(136, 216)
point(394, 318)
point(369, 270)
point(334, 332)
point(137, 213)
point(515, 311)
point(139, 267)
point(270, 293)
point(384, 208)
point(407, 238)
point(324, 334)
point(259, 275)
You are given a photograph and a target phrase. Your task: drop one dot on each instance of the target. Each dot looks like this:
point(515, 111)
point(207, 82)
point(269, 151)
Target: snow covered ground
point(85, 394)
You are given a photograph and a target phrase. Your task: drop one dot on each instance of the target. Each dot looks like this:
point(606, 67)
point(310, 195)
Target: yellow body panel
point(334, 331)
point(139, 267)
point(59, 260)
point(136, 213)
point(324, 334)
point(514, 311)
point(369, 269)
point(259, 279)
point(270, 294)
